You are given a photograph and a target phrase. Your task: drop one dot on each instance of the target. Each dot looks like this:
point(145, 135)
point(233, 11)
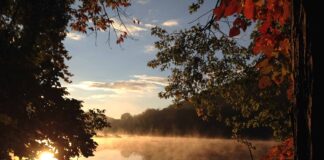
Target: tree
point(285, 40)
point(208, 69)
point(179, 121)
point(35, 113)
point(296, 45)
point(305, 64)
point(126, 116)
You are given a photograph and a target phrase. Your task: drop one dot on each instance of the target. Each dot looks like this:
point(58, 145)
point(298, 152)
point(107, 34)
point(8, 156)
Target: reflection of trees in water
point(157, 148)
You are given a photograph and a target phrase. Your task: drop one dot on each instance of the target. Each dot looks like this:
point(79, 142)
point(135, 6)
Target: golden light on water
point(46, 156)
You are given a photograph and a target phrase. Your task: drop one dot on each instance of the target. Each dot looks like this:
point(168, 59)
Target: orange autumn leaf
point(219, 11)
point(286, 11)
point(265, 26)
point(259, 3)
point(271, 4)
point(257, 47)
point(233, 6)
point(271, 38)
point(283, 151)
point(284, 71)
point(249, 9)
point(266, 70)
point(264, 44)
point(262, 63)
point(285, 47)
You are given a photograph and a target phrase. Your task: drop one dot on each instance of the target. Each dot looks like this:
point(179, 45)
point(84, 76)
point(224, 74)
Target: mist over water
point(174, 148)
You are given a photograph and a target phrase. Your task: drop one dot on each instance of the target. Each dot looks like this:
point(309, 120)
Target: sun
point(46, 156)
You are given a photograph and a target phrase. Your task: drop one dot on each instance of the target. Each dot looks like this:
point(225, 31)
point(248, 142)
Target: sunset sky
point(116, 78)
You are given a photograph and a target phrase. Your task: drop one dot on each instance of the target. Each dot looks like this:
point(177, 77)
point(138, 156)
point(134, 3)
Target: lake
point(174, 148)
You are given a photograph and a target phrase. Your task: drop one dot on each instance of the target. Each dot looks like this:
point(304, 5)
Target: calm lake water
point(174, 148)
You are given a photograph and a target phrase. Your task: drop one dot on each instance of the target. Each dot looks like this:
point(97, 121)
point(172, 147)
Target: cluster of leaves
point(206, 65)
point(121, 38)
point(94, 15)
point(284, 151)
point(35, 113)
point(195, 6)
point(272, 64)
point(271, 38)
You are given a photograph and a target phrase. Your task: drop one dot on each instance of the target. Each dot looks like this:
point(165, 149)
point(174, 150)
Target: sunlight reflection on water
point(174, 148)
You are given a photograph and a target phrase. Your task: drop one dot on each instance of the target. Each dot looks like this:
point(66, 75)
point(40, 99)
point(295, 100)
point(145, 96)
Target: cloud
point(130, 28)
point(127, 27)
point(132, 95)
point(148, 25)
point(170, 23)
point(139, 84)
point(149, 49)
point(143, 1)
point(162, 81)
point(131, 85)
point(74, 36)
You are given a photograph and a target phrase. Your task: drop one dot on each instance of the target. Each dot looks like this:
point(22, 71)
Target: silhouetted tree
point(35, 113)
point(285, 37)
point(126, 117)
point(179, 120)
point(210, 70)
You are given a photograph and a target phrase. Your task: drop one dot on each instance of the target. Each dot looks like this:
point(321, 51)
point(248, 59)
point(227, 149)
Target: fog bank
point(175, 148)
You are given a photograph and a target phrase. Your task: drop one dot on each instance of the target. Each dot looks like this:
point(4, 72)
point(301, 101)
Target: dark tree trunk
point(305, 68)
point(302, 69)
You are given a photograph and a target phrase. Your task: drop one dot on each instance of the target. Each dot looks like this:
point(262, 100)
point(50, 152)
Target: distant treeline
point(176, 121)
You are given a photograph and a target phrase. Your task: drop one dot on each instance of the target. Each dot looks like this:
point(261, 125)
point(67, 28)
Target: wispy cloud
point(131, 85)
point(148, 25)
point(149, 49)
point(170, 23)
point(128, 27)
point(132, 95)
point(139, 83)
point(143, 1)
point(162, 81)
point(74, 36)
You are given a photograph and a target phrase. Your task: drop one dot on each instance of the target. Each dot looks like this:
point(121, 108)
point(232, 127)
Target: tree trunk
point(305, 68)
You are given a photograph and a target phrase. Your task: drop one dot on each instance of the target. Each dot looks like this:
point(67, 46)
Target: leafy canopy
point(35, 112)
point(207, 63)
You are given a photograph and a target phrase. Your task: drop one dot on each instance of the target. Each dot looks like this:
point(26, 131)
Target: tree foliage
point(283, 151)
point(271, 38)
point(35, 113)
point(206, 65)
point(209, 61)
point(284, 39)
point(178, 121)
